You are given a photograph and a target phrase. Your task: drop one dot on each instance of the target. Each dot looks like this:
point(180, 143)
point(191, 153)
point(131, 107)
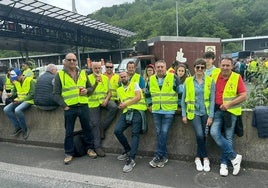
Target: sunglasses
point(200, 67)
point(107, 67)
point(74, 60)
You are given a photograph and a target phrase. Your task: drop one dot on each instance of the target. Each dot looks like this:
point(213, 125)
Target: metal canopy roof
point(51, 11)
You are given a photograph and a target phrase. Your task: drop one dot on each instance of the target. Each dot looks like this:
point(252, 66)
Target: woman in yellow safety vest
point(198, 100)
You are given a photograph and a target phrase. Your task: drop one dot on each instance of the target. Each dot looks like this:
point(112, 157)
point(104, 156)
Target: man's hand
point(184, 120)
point(122, 105)
point(225, 106)
point(67, 108)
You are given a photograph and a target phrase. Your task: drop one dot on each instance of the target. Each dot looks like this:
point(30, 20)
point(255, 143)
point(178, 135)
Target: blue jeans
point(14, 112)
point(162, 124)
point(121, 126)
point(69, 120)
point(199, 124)
point(224, 136)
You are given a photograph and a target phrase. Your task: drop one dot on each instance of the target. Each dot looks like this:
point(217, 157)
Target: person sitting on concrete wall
point(197, 104)
point(113, 79)
point(230, 93)
point(44, 98)
point(23, 94)
point(97, 102)
point(133, 105)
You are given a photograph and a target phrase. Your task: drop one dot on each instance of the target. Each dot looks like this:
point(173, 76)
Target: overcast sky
point(85, 7)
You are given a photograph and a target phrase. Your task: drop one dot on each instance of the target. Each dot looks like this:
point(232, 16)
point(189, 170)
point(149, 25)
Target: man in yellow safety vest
point(71, 90)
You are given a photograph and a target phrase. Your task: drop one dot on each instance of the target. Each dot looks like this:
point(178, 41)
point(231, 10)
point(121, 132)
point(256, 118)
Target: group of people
point(22, 91)
point(210, 99)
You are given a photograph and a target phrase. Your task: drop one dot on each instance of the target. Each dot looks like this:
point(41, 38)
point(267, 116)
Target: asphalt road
point(33, 167)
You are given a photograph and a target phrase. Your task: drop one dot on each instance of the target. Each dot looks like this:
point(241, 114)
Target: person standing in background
point(210, 67)
point(182, 75)
point(27, 71)
point(133, 76)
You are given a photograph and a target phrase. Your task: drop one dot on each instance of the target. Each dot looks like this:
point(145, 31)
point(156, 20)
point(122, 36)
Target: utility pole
point(177, 18)
point(77, 48)
point(73, 6)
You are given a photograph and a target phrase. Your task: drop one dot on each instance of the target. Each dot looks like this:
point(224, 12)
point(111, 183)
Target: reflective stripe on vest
point(190, 96)
point(129, 94)
point(230, 92)
point(100, 93)
point(166, 98)
point(23, 89)
point(70, 89)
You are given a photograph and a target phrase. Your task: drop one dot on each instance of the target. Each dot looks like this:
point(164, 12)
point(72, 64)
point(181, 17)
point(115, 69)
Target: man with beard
point(133, 105)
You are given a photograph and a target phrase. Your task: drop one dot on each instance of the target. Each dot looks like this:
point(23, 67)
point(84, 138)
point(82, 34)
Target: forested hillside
point(198, 18)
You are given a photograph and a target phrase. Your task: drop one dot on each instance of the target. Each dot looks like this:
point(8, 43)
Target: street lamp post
point(177, 18)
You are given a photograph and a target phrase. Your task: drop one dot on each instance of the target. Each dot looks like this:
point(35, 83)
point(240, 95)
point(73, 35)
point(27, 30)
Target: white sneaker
point(198, 164)
point(223, 170)
point(206, 165)
point(236, 162)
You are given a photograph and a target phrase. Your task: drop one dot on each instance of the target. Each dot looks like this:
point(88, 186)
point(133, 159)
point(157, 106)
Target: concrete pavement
point(44, 163)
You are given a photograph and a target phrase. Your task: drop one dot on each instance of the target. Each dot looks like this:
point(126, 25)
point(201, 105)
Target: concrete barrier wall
point(47, 129)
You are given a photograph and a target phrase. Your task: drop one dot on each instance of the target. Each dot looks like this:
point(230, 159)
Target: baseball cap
point(14, 74)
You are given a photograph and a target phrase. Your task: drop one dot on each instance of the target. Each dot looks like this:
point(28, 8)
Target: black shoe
point(25, 134)
point(16, 132)
point(100, 152)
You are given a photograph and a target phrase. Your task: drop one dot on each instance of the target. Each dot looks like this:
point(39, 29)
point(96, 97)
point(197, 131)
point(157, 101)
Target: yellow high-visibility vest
point(114, 83)
point(8, 84)
point(216, 70)
point(23, 89)
point(252, 67)
point(70, 89)
point(128, 94)
point(28, 73)
point(166, 98)
point(229, 92)
point(135, 78)
point(100, 93)
point(190, 96)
